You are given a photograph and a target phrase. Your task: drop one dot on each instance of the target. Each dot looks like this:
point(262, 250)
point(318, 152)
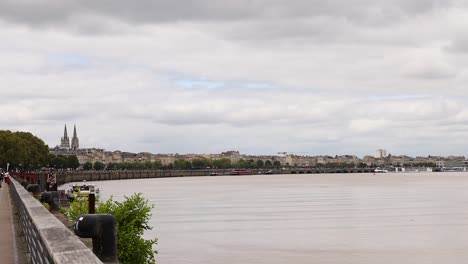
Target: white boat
point(83, 189)
point(379, 170)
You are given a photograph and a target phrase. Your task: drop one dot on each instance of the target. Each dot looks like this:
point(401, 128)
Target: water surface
point(320, 218)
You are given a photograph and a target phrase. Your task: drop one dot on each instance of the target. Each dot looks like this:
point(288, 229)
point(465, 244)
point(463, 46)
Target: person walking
point(7, 178)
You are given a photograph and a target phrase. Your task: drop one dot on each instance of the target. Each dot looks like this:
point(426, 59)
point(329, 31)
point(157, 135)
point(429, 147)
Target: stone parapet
point(48, 240)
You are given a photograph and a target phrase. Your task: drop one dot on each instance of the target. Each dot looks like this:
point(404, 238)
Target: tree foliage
point(87, 166)
point(181, 164)
point(222, 163)
point(80, 205)
point(201, 163)
point(63, 162)
point(98, 165)
point(132, 218)
point(277, 164)
point(72, 162)
point(22, 150)
point(58, 162)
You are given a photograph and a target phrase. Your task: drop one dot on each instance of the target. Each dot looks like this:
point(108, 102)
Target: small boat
point(83, 189)
point(241, 172)
point(380, 170)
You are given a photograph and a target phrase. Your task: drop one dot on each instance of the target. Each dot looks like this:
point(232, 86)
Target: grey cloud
point(52, 12)
point(458, 45)
point(122, 97)
point(432, 71)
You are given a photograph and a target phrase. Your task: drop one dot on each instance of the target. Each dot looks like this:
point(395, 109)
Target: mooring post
point(101, 228)
point(92, 203)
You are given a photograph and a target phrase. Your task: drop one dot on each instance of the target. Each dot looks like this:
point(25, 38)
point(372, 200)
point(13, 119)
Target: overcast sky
point(259, 76)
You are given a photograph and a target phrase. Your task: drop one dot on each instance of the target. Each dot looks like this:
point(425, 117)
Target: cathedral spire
point(65, 132)
point(75, 142)
point(65, 141)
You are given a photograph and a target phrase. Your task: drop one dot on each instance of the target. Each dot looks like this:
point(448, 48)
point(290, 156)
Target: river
point(319, 218)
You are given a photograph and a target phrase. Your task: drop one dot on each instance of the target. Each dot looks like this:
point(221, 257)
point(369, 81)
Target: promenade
point(8, 250)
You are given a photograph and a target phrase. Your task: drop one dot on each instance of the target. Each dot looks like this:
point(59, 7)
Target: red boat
point(241, 172)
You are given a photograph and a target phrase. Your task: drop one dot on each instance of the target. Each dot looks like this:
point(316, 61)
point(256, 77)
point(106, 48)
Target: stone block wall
point(48, 240)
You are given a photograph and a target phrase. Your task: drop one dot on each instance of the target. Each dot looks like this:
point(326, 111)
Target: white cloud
point(334, 79)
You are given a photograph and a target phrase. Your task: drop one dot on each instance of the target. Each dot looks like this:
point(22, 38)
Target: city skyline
point(66, 148)
point(260, 77)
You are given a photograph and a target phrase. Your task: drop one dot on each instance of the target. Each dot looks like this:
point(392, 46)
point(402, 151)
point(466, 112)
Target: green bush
point(46, 205)
point(77, 207)
point(132, 216)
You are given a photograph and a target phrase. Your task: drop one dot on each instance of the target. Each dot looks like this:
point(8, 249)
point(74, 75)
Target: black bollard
point(91, 203)
point(101, 228)
point(50, 197)
point(34, 188)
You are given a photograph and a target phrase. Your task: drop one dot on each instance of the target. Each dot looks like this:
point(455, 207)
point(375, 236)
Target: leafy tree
point(98, 165)
point(260, 164)
point(276, 164)
point(148, 164)
point(72, 162)
point(22, 150)
point(361, 165)
point(241, 164)
point(222, 163)
point(251, 164)
point(111, 166)
point(87, 166)
point(201, 163)
point(268, 164)
point(59, 162)
point(132, 218)
point(181, 164)
point(157, 165)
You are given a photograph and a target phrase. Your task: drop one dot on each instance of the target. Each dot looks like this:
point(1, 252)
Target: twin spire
point(65, 141)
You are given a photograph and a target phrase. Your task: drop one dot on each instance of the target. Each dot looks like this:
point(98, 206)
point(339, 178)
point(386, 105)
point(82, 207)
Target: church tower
point(75, 143)
point(65, 141)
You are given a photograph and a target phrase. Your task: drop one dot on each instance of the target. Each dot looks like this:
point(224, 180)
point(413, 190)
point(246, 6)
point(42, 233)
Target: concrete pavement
point(8, 250)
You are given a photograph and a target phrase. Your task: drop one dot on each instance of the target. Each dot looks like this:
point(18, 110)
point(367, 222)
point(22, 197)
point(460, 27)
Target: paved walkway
point(7, 236)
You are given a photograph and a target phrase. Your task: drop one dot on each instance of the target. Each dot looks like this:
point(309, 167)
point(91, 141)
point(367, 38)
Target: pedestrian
point(7, 178)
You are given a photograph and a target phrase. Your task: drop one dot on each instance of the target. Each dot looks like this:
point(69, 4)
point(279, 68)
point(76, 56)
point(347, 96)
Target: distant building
point(65, 140)
point(380, 153)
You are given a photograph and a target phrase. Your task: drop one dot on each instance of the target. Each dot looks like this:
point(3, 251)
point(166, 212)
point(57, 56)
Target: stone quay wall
point(48, 240)
point(67, 177)
point(63, 178)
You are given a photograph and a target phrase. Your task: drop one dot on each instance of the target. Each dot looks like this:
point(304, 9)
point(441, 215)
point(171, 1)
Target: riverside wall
point(48, 240)
point(67, 177)
point(79, 176)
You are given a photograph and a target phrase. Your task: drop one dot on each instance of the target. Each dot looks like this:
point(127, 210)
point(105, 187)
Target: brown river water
point(319, 218)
